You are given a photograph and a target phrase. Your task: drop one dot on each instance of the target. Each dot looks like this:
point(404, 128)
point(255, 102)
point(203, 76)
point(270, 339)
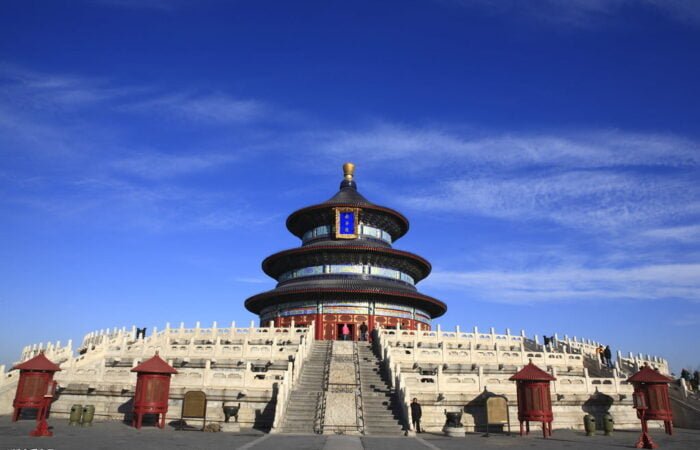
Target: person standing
point(363, 332)
point(599, 351)
point(607, 353)
point(416, 413)
point(695, 382)
point(685, 374)
point(346, 332)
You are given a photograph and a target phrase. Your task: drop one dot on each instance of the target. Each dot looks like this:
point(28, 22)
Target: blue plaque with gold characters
point(347, 223)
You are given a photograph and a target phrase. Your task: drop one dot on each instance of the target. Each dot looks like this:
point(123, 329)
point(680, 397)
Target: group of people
point(345, 332)
point(605, 355)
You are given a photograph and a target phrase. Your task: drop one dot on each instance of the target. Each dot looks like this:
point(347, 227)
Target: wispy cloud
point(389, 143)
point(584, 179)
point(205, 108)
point(252, 280)
point(159, 165)
point(579, 199)
point(652, 282)
point(608, 180)
point(163, 5)
point(104, 201)
point(81, 165)
point(585, 13)
point(32, 90)
point(687, 320)
point(690, 233)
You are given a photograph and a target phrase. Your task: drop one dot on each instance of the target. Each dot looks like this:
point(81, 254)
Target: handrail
point(321, 403)
point(359, 398)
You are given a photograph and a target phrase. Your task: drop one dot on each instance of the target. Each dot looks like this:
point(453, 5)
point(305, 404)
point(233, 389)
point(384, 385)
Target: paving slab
point(115, 435)
point(118, 435)
point(565, 439)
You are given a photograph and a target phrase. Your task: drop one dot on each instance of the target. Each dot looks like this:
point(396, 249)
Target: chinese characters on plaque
point(346, 223)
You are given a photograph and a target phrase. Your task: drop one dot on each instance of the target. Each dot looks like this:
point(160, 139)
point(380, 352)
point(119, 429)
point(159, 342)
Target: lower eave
point(433, 306)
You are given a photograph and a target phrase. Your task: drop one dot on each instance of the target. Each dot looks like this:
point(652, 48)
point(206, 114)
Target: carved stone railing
point(292, 378)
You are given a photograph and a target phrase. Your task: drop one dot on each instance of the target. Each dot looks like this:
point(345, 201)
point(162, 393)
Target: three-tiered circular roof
point(313, 280)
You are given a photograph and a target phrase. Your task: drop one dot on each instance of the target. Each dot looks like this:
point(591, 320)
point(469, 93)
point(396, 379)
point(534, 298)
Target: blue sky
point(547, 154)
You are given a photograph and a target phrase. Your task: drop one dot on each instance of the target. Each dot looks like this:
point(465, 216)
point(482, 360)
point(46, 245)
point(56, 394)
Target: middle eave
point(296, 258)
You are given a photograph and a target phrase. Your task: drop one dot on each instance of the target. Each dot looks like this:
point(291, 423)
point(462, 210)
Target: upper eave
point(296, 258)
point(388, 219)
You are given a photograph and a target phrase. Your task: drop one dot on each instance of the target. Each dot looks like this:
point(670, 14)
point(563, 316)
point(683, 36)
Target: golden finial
point(348, 170)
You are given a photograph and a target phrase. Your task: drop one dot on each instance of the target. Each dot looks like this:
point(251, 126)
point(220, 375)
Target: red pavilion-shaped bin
point(35, 377)
point(152, 389)
point(653, 386)
point(534, 400)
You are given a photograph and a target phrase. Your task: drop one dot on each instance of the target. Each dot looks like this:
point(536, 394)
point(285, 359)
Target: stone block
point(340, 409)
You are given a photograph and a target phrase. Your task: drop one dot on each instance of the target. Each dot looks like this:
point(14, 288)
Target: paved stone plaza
point(116, 435)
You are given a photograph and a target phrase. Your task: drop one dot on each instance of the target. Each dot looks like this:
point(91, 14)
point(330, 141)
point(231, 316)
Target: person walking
point(346, 331)
point(363, 332)
point(607, 353)
point(416, 413)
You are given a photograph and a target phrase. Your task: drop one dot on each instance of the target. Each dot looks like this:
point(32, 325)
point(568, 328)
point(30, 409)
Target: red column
point(319, 326)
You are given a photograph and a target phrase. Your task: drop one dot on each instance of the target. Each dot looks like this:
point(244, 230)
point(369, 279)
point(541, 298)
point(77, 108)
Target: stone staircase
point(531, 346)
point(304, 401)
point(382, 413)
point(595, 368)
point(686, 408)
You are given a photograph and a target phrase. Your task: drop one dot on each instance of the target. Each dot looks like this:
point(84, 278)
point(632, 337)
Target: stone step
point(377, 396)
point(380, 417)
point(305, 403)
point(298, 420)
point(303, 400)
point(304, 413)
point(377, 400)
point(298, 431)
point(391, 431)
point(375, 423)
point(376, 409)
point(379, 406)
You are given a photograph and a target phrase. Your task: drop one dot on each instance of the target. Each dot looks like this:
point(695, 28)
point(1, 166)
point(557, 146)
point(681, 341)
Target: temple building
point(291, 374)
point(346, 271)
